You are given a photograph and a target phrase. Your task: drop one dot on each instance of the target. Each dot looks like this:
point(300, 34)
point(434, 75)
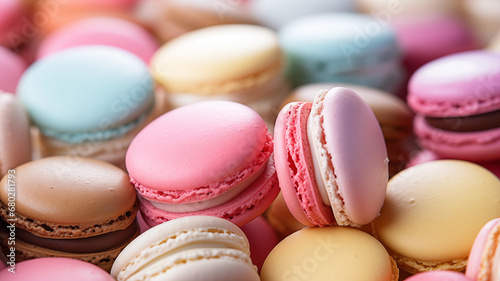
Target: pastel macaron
point(72, 207)
point(457, 104)
point(388, 9)
point(433, 212)
point(485, 253)
point(15, 136)
point(329, 253)
point(88, 101)
point(342, 48)
point(188, 248)
point(438, 275)
point(13, 13)
point(331, 159)
point(209, 158)
point(54, 269)
point(483, 17)
point(11, 70)
point(235, 62)
point(262, 239)
point(108, 31)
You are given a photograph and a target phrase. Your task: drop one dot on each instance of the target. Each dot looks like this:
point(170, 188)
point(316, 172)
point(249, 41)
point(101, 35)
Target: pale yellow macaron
point(433, 212)
point(237, 62)
point(329, 253)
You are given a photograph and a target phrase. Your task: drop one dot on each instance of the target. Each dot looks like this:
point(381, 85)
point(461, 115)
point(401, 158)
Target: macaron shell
point(471, 146)
point(481, 257)
point(262, 239)
point(355, 144)
point(457, 85)
point(295, 168)
point(13, 67)
point(101, 31)
point(52, 269)
point(15, 138)
point(11, 14)
point(439, 275)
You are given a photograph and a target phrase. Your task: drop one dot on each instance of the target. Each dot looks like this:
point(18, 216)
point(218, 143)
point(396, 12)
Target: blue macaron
point(88, 93)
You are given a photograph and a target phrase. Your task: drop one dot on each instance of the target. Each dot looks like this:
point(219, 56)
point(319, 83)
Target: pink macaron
point(13, 13)
point(102, 31)
point(331, 159)
point(12, 68)
point(438, 275)
point(262, 239)
point(54, 269)
point(209, 158)
point(457, 103)
point(484, 257)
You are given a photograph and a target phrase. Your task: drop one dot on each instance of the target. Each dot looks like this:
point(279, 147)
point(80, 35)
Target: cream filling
point(206, 204)
point(320, 183)
point(495, 270)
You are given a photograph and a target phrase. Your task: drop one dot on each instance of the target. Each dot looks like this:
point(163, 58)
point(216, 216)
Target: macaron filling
point(473, 123)
point(92, 244)
point(210, 203)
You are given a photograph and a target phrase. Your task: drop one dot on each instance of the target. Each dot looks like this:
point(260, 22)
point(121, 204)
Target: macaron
point(494, 44)
point(13, 13)
point(483, 17)
point(101, 31)
point(433, 212)
point(54, 269)
point(88, 101)
point(388, 9)
point(188, 248)
point(457, 102)
point(439, 275)
point(392, 113)
point(331, 159)
point(15, 137)
point(329, 253)
point(484, 255)
point(343, 48)
point(262, 239)
point(70, 207)
point(11, 70)
point(275, 13)
point(281, 219)
point(241, 63)
point(424, 38)
point(209, 158)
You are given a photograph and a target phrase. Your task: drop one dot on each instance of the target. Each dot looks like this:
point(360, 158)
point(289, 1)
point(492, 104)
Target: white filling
point(206, 204)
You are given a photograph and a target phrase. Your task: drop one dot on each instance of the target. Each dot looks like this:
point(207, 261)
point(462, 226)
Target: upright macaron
point(331, 159)
point(457, 105)
point(71, 207)
point(235, 62)
point(483, 264)
point(209, 158)
point(88, 101)
point(433, 212)
point(343, 48)
point(188, 248)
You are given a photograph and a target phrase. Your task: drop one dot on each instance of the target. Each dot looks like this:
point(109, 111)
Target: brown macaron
point(68, 207)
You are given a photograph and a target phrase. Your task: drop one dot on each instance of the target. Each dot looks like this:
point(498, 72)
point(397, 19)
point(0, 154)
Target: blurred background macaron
point(241, 63)
point(13, 13)
point(88, 101)
point(343, 48)
point(483, 17)
point(262, 239)
point(12, 67)
point(71, 207)
point(405, 8)
point(188, 248)
point(55, 269)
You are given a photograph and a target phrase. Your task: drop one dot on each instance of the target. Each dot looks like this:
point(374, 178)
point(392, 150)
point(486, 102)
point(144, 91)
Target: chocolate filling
point(474, 123)
point(81, 245)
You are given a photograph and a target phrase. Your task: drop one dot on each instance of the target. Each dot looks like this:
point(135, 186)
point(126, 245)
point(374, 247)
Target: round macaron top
point(484, 256)
point(101, 31)
point(433, 211)
point(55, 269)
point(11, 70)
point(197, 145)
point(457, 85)
point(439, 275)
point(218, 59)
point(346, 41)
point(86, 89)
point(329, 253)
point(67, 190)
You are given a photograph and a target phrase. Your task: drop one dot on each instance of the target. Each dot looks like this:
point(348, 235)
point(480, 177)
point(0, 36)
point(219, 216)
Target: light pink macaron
point(54, 269)
point(262, 239)
point(12, 15)
point(101, 31)
point(209, 158)
point(331, 159)
point(12, 68)
point(457, 103)
point(438, 275)
point(484, 257)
